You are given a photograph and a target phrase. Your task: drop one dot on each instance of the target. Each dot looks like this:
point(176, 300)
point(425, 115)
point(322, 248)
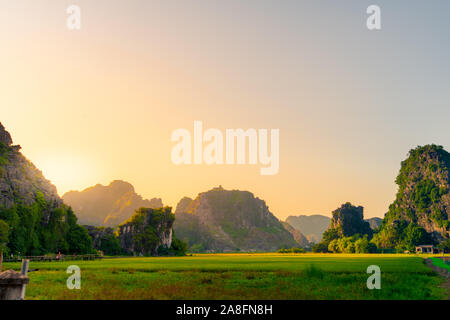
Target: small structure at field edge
point(426, 249)
point(13, 283)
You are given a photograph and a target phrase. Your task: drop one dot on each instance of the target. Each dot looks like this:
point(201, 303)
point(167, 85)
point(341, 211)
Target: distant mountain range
point(312, 226)
point(107, 205)
point(217, 220)
point(35, 220)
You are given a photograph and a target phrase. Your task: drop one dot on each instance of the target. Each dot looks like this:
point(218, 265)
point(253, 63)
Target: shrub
point(320, 247)
point(292, 250)
point(313, 272)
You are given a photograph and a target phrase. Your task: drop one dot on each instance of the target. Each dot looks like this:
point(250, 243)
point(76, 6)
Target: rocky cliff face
point(223, 220)
point(5, 137)
point(374, 222)
point(146, 231)
point(298, 236)
point(349, 220)
point(108, 205)
point(35, 217)
point(20, 180)
point(422, 204)
point(183, 205)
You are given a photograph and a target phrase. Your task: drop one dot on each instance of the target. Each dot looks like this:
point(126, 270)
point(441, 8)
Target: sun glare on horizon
point(66, 171)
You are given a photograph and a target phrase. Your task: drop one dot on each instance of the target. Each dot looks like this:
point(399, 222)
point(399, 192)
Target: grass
point(238, 276)
point(440, 263)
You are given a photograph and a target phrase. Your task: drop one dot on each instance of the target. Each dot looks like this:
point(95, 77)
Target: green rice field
point(238, 276)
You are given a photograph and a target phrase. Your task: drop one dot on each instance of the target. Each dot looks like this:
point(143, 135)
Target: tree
point(4, 232)
point(362, 245)
point(178, 247)
point(330, 234)
point(444, 246)
point(333, 246)
point(345, 245)
point(79, 240)
point(320, 247)
point(414, 235)
point(110, 245)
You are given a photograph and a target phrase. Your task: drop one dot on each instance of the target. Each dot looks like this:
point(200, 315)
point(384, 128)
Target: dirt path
point(443, 273)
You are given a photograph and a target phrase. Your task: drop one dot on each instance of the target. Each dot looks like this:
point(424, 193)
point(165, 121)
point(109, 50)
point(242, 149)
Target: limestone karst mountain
point(348, 220)
point(298, 236)
point(147, 232)
point(421, 210)
point(374, 222)
point(19, 178)
point(35, 217)
point(312, 226)
point(229, 220)
point(108, 205)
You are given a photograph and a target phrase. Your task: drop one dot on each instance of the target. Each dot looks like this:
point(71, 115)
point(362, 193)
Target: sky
point(98, 104)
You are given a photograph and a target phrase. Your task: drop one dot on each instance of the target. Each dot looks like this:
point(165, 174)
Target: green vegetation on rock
point(33, 219)
point(39, 229)
point(222, 220)
point(149, 232)
point(419, 214)
point(348, 232)
point(104, 239)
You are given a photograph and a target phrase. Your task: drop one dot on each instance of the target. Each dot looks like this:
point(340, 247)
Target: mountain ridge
point(229, 220)
point(109, 205)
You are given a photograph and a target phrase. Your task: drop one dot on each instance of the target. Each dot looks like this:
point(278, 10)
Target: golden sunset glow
point(100, 104)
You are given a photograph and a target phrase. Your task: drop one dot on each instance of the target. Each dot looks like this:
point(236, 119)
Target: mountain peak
point(108, 205)
point(5, 137)
point(422, 204)
point(121, 186)
point(228, 220)
point(20, 180)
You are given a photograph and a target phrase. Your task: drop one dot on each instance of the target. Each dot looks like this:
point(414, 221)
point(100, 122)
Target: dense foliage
point(4, 232)
point(353, 244)
point(445, 245)
point(347, 233)
point(291, 250)
point(40, 228)
point(148, 226)
point(105, 240)
point(177, 248)
point(320, 247)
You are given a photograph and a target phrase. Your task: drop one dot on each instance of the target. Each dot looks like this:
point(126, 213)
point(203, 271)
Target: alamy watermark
point(374, 281)
point(236, 146)
point(74, 17)
point(74, 281)
point(374, 20)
